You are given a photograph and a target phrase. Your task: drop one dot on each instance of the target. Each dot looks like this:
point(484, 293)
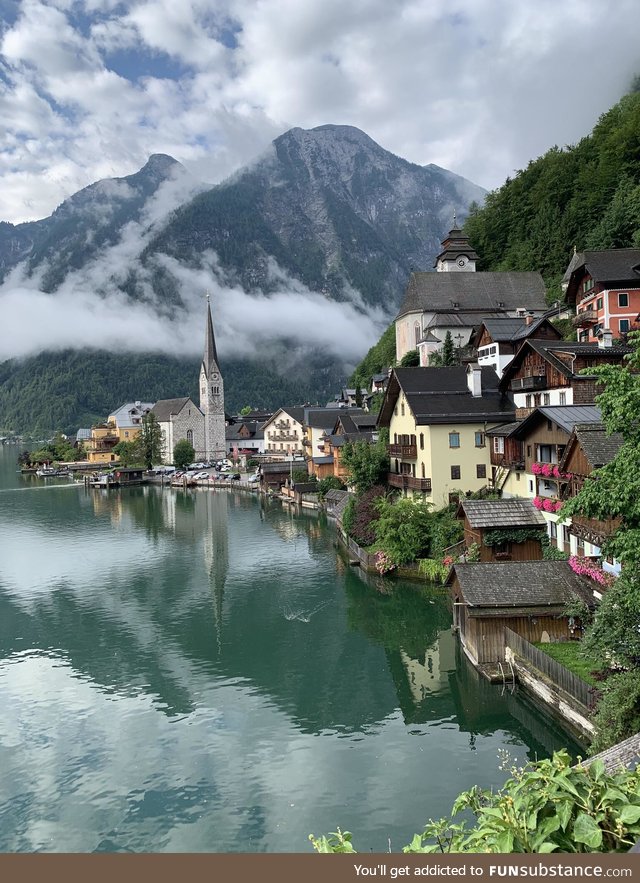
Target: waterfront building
point(517, 527)
point(180, 419)
point(123, 424)
point(283, 433)
point(438, 419)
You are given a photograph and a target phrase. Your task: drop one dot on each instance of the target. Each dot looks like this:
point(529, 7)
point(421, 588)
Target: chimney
point(605, 338)
point(474, 379)
point(529, 319)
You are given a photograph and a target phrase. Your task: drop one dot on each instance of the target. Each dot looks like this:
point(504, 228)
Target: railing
point(396, 479)
point(282, 436)
point(524, 383)
point(587, 317)
point(558, 674)
point(408, 452)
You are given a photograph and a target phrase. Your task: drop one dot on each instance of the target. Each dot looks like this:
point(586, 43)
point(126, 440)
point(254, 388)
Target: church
point(203, 426)
point(457, 297)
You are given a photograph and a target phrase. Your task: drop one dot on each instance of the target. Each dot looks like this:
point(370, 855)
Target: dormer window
point(501, 303)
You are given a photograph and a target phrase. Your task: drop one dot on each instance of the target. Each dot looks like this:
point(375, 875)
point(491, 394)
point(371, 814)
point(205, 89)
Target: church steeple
point(212, 395)
point(457, 252)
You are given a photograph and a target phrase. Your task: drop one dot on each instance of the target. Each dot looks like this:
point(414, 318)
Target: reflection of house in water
point(107, 503)
point(429, 673)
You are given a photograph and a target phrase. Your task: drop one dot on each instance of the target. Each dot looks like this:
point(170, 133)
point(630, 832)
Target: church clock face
point(214, 376)
point(462, 262)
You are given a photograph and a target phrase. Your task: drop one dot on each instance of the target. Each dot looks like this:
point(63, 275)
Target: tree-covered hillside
point(73, 388)
point(586, 195)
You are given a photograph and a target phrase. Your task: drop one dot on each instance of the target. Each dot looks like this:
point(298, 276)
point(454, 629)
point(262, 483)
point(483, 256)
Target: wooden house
point(529, 597)
point(504, 530)
point(497, 339)
point(129, 475)
point(588, 448)
point(549, 372)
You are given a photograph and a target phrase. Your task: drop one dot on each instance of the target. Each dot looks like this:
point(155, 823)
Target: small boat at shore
point(50, 472)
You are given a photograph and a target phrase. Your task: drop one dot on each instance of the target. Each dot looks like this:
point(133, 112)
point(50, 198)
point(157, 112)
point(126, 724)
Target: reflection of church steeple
point(216, 554)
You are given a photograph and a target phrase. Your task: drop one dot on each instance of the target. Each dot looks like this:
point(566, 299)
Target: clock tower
point(212, 396)
point(457, 254)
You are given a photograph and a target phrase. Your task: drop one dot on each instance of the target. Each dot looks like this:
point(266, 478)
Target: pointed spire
point(210, 353)
point(455, 220)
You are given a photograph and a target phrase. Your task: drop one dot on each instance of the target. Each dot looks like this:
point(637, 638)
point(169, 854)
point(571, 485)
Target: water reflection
point(200, 670)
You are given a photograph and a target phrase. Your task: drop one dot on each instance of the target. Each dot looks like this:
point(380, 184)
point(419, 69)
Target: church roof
point(165, 408)
point(478, 292)
point(210, 359)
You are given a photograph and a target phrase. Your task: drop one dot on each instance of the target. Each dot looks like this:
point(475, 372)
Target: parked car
point(200, 475)
point(236, 476)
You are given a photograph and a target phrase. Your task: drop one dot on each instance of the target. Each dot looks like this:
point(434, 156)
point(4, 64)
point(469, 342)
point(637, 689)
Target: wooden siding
point(485, 636)
point(531, 550)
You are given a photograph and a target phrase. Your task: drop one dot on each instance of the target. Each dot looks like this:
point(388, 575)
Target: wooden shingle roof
point(505, 585)
point(502, 513)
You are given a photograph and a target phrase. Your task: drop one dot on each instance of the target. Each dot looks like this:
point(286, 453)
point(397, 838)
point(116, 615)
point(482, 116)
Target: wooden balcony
point(408, 482)
point(406, 452)
point(587, 317)
point(523, 384)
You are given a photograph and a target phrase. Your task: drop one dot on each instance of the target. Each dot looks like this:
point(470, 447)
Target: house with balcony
point(549, 372)
point(497, 340)
point(456, 297)
point(604, 288)
point(123, 424)
point(437, 420)
point(283, 433)
point(588, 449)
point(354, 425)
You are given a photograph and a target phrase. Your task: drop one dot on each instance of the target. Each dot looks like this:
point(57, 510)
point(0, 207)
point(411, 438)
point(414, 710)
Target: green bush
point(548, 806)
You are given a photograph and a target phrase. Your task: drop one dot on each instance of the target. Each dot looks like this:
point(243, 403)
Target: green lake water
point(202, 671)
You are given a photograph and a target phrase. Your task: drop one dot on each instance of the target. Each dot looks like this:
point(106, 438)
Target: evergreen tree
point(149, 443)
point(448, 351)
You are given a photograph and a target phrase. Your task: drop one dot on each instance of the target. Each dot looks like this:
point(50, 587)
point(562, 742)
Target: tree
point(367, 463)
point(614, 490)
point(128, 453)
point(150, 443)
point(410, 359)
point(246, 410)
point(448, 351)
point(404, 528)
point(183, 454)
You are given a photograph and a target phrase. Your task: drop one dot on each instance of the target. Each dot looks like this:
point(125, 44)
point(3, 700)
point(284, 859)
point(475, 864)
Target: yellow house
point(124, 424)
point(437, 420)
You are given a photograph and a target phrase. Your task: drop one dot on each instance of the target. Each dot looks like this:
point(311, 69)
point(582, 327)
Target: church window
point(417, 333)
point(215, 390)
point(190, 436)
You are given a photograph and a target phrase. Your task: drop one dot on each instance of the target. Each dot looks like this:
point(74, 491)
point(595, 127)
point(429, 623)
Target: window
point(623, 299)
point(498, 444)
point(563, 398)
point(624, 326)
point(529, 401)
point(546, 398)
point(190, 436)
point(599, 304)
point(417, 333)
point(588, 284)
point(402, 409)
point(454, 439)
point(530, 485)
point(455, 472)
point(479, 439)
point(422, 441)
point(553, 530)
point(481, 471)
point(537, 398)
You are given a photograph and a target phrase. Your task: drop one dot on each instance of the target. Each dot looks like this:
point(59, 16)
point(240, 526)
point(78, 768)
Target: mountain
point(335, 211)
point(325, 214)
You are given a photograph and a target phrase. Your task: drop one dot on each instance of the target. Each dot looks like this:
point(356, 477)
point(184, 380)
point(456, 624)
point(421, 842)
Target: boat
point(48, 472)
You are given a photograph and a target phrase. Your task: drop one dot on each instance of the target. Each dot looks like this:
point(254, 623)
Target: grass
point(570, 654)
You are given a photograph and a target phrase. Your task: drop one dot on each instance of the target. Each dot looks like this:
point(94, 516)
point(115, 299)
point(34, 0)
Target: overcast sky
point(90, 88)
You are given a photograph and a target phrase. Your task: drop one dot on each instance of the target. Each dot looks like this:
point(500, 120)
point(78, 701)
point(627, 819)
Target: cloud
point(91, 88)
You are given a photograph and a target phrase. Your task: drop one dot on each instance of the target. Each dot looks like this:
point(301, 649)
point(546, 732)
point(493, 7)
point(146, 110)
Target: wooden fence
point(573, 685)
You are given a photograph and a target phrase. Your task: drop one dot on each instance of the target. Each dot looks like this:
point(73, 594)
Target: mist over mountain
point(306, 250)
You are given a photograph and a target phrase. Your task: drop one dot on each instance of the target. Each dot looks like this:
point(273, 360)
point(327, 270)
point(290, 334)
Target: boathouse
point(504, 530)
point(528, 597)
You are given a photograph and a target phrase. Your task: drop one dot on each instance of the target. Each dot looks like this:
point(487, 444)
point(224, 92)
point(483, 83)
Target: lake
point(203, 671)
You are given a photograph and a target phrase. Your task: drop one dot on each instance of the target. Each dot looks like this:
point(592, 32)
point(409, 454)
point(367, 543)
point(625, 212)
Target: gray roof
point(323, 461)
point(232, 433)
point(131, 414)
point(380, 378)
point(623, 755)
point(564, 416)
point(83, 434)
point(502, 513)
point(326, 418)
point(505, 429)
point(598, 447)
point(296, 413)
point(508, 584)
point(473, 291)
point(548, 349)
point(607, 265)
point(166, 407)
point(441, 395)
point(506, 329)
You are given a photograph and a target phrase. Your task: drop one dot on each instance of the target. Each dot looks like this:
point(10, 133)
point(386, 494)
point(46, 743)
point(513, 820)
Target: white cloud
point(478, 88)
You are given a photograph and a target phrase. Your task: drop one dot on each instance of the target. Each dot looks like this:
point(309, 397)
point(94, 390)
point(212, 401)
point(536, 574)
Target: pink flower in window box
point(546, 470)
point(556, 472)
point(536, 468)
point(537, 502)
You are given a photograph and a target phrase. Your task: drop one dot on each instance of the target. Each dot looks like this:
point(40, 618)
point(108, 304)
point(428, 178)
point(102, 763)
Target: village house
point(548, 372)
point(604, 288)
point(354, 425)
point(456, 297)
point(588, 448)
point(503, 530)
point(497, 340)
point(283, 433)
point(180, 419)
point(437, 420)
point(244, 437)
point(123, 424)
point(528, 597)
